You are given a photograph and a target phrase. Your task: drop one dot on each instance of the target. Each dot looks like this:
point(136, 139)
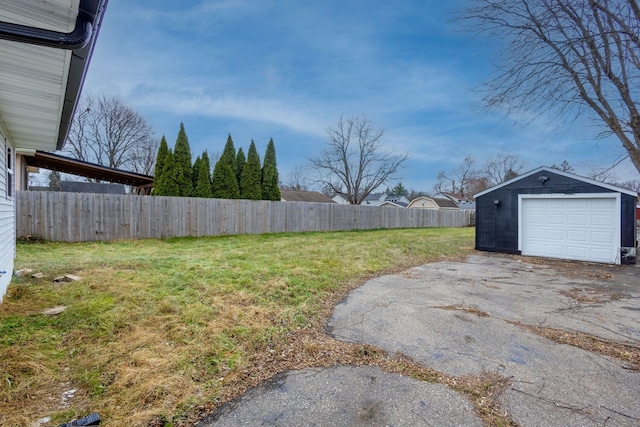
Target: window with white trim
point(9, 173)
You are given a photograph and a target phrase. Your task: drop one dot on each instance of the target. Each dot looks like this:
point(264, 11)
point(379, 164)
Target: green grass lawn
point(155, 327)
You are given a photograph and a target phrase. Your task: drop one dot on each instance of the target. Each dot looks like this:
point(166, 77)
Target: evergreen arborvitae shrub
point(195, 172)
point(225, 184)
point(206, 163)
point(270, 189)
point(241, 160)
point(182, 154)
point(250, 179)
point(171, 176)
point(203, 185)
point(163, 149)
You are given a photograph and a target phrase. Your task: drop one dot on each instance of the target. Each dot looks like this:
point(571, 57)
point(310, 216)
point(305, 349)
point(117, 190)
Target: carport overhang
point(56, 162)
point(45, 49)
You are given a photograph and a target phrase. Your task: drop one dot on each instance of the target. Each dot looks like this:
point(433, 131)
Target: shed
point(555, 214)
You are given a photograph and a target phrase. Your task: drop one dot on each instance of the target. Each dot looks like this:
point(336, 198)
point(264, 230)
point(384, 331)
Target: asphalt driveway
point(470, 319)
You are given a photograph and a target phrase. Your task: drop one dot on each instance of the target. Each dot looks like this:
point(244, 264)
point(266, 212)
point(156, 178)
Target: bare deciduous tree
point(354, 163)
point(463, 180)
point(467, 179)
point(566, 57)
point(109, 133)
point(297, 180)
point(503, 168)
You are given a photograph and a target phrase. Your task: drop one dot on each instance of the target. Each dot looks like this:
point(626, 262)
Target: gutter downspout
point(76, 39)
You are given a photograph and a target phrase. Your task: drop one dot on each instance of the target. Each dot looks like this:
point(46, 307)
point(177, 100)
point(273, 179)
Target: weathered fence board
point(76, 217)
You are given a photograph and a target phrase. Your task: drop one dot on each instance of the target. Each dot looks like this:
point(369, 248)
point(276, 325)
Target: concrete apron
point(458, 318)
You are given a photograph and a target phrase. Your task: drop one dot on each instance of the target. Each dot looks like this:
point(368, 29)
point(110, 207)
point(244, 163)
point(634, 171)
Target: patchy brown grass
point(625, 352)
point(157, 331)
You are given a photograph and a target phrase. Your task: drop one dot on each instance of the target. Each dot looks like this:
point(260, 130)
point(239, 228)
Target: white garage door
point(578, 228)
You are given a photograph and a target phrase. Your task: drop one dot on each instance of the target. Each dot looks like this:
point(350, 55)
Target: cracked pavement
point(463, 319)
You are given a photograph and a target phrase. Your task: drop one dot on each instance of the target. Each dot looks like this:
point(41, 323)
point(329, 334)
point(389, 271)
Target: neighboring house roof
point(85, 187)
point(389, 203)
point(45, 49)
point(432, 203)
point(65, 164)
point(558, 172)
point(304, 196)
point(455, 197)
point(396, 198)
point(445, 203)
point(374, 197)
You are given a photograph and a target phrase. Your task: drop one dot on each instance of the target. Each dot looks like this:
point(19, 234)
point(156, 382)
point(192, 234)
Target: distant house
point(377, 199)
point(464, 203)
point(340, 199)
point(304, 196)
point(42, 68)
point(433, 203)
point(389, 203)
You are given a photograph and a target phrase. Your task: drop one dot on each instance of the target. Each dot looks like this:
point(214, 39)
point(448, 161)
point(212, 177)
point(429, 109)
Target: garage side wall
point(497, 211)
point(628, 223)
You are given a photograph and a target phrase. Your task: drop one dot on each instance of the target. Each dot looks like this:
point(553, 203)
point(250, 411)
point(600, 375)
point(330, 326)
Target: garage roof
point(45, 48)
point(558, 172)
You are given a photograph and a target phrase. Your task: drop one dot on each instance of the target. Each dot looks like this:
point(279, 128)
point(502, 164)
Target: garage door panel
point(577, 219)
point(578, 203)
point(536, 249)
point(581, 228)
point(602, 204)
point(534, 218)
point(555, 219)
point(597, 237)
point(535, 233)
point(601, 220)
point(600, 255)
point(576, 252)
point(577, 236)
point(553, 250)
point(554, 235)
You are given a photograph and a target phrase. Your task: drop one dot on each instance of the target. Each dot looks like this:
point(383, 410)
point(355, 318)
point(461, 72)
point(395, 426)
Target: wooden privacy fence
point(78, 217)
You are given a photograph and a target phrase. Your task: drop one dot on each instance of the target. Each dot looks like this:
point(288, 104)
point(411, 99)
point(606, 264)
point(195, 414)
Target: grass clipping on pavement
point(157, 330)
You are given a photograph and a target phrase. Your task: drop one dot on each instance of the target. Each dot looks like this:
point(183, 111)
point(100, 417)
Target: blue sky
point(288, 70)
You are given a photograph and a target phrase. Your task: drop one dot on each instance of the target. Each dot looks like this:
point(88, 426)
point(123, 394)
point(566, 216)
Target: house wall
point(497, 226)
point(21, 174)
point(424, 204)
point(7, 214)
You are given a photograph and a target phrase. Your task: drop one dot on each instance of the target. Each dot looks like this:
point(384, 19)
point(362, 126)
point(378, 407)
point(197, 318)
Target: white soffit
point(33, 79)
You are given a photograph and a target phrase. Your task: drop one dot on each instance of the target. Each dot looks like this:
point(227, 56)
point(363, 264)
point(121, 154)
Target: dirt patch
point(470, 310)
point(625, 352)
point(592, 295)
point(588, 270)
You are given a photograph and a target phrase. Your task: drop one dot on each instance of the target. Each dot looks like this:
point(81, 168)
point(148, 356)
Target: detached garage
point(555, 214)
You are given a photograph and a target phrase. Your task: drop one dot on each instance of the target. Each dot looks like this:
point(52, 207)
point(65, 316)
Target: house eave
point(45, 76)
